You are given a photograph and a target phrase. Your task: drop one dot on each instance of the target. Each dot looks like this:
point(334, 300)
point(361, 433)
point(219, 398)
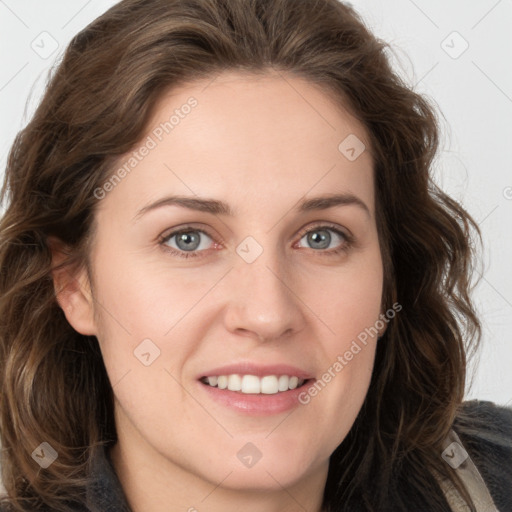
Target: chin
point(262, 477)
point(269, 469)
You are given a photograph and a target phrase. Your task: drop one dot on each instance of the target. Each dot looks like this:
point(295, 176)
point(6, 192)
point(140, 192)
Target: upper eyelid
point(302, 232)
point(176, 231)
point(327, 226)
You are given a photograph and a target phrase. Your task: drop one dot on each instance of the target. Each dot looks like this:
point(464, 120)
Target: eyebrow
point(217, 207)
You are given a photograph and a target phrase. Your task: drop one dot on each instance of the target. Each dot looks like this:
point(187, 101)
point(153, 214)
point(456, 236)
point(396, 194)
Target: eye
point(191, 242)
point(188, 242)
point(320, 237)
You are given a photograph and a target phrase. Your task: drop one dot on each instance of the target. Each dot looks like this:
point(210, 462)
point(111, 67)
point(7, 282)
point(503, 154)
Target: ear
point(72, 290)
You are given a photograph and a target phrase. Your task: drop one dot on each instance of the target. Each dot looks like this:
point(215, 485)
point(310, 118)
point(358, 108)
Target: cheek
point(147, 314)
point(144, 296)
point(347, 300)
point(348, 303)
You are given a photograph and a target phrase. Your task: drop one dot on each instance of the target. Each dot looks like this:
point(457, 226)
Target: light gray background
point(472, 88)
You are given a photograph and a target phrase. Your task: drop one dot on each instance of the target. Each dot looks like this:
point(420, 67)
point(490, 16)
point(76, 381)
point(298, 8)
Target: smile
point(252, 384)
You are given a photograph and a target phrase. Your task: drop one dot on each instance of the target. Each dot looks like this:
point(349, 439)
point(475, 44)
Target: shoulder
point(487, 427)
point(5, 506)
point(485, 430)
point(103, 491)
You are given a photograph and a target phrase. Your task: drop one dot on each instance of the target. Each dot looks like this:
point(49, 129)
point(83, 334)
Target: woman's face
point(277, 282)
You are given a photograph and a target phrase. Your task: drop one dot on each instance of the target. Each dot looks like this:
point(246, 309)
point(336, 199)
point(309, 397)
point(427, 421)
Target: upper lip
point(248, 368)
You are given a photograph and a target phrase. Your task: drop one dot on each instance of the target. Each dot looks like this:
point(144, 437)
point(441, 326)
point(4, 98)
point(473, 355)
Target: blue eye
point(190, 242)
point(320, 238)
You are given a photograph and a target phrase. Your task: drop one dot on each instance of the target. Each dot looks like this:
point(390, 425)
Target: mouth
point(254, 389)
point(253, 384)
point(250, 388)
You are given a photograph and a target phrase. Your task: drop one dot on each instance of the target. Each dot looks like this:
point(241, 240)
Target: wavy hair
point(96, 107)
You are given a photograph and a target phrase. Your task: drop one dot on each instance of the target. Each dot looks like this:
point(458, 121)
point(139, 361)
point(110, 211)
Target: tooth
point(292, 384)
point(234, 382)
point(269, 385)
point(250, 384)
point(283, 383)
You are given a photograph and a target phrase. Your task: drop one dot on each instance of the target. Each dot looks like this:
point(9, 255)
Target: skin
point(260, 144)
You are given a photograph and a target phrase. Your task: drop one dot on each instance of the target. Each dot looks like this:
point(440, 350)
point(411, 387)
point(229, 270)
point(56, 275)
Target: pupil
point(318, 239)
point(187, 238)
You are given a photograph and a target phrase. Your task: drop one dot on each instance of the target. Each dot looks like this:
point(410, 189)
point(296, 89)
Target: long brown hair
point(54, 386)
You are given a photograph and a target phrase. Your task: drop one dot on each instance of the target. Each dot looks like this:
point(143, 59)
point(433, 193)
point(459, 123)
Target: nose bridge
point(261, 298)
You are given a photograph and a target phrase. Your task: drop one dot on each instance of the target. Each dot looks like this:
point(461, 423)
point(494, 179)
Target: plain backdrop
point(457, 52)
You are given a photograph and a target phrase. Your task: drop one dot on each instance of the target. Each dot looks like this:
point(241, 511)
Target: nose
point(262, 302)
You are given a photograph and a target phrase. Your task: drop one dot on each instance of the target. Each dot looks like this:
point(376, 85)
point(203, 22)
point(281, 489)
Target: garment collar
point(105, 493)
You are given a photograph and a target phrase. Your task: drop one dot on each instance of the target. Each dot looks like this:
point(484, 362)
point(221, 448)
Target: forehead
point(274, 136)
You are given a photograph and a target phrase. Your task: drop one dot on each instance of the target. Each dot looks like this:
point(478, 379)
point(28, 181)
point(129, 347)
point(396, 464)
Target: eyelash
point(346, 245)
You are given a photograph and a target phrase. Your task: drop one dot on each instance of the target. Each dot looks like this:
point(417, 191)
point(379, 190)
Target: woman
point(173, 338)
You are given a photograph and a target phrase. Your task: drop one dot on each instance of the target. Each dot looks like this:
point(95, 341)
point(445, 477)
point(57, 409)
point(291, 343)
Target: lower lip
point(260, 404)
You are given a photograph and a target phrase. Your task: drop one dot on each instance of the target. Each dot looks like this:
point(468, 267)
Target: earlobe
point(72, 290)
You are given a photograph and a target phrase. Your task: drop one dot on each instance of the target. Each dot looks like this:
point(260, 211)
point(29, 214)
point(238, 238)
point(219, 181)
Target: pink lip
point(255, 405)
point(258, 370)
